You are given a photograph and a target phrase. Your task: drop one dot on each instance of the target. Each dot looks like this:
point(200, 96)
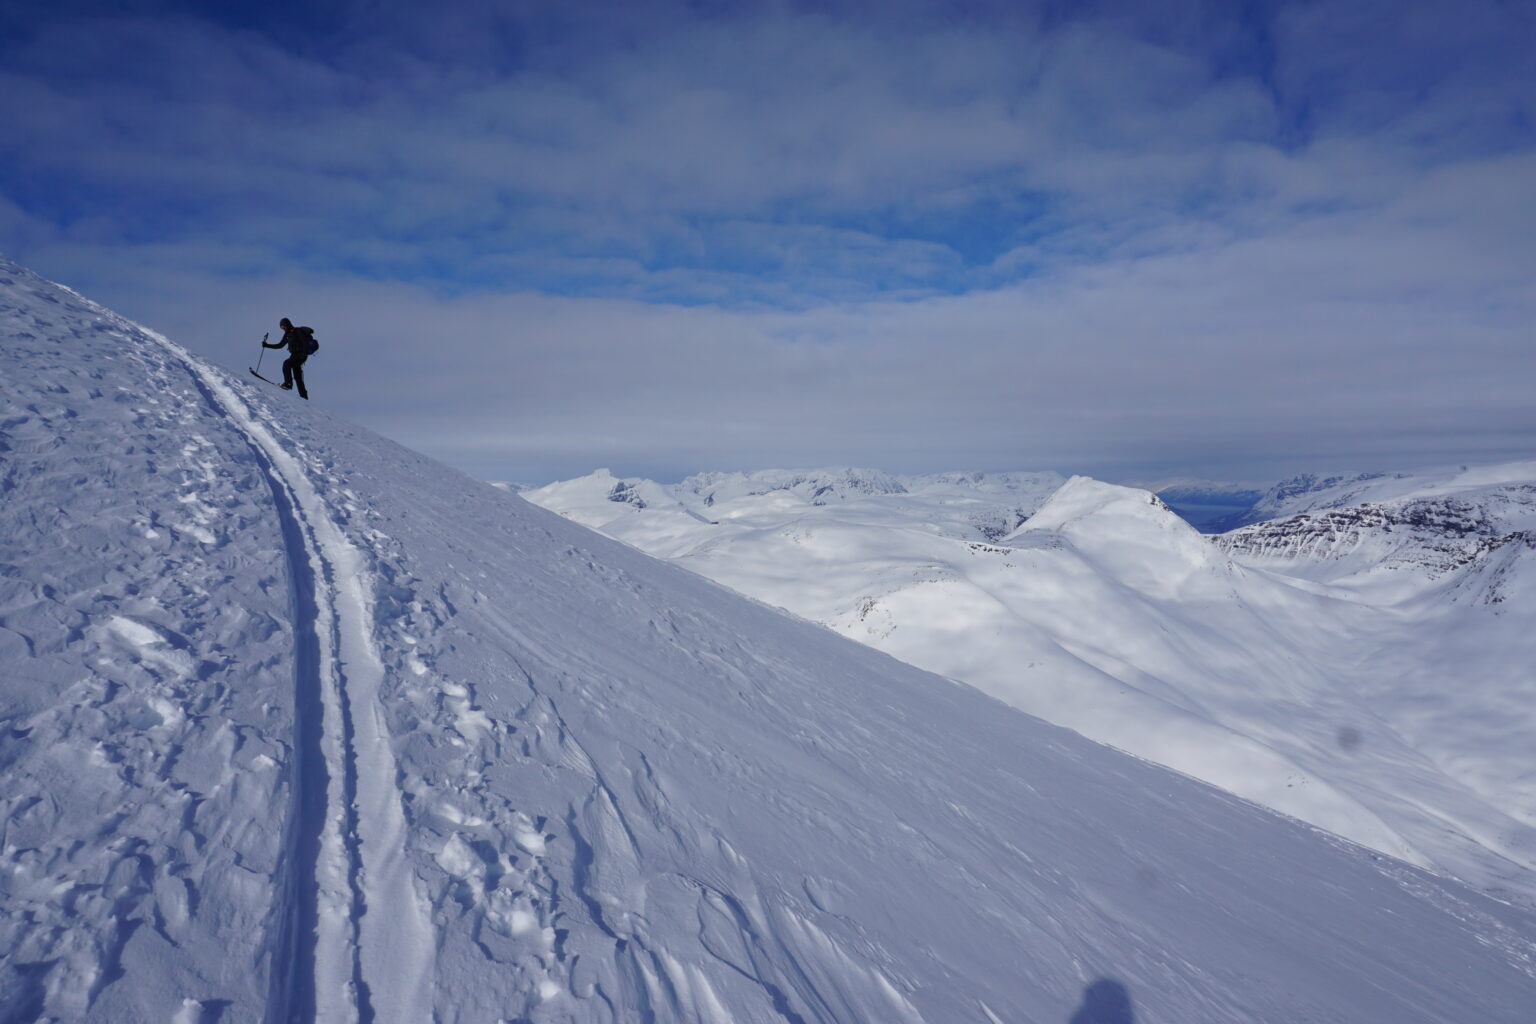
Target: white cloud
point(903, 239)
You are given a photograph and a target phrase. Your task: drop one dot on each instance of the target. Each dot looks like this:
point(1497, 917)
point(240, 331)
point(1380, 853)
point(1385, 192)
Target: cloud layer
point(680, 236)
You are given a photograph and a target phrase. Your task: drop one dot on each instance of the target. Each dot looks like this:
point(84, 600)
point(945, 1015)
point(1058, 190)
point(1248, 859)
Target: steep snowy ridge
point(297, 724)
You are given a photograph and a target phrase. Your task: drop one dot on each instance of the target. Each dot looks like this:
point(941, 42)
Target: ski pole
point(263, 355)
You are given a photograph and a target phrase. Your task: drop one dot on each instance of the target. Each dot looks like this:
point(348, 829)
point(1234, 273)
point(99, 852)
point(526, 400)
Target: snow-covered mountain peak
point(600, 498)
point(1139, 538)
point(1083, 497)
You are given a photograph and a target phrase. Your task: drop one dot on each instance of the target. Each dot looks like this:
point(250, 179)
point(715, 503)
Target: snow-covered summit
point(599, 497)
point(299, 725)
point(1138, 538)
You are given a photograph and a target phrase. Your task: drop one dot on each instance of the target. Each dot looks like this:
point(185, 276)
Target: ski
point(260, 377)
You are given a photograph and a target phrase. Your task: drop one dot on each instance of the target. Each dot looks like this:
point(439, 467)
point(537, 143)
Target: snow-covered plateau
point(296, 724)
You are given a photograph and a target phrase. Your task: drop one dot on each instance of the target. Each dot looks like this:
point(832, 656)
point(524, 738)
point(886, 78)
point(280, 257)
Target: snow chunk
point(527, 837)
point(457, 858)
point(152, 645)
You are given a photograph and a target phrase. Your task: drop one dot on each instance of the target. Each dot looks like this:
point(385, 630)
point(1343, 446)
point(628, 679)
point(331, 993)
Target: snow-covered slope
point(1450, 656)
point(297, 724)
point(1106, 613)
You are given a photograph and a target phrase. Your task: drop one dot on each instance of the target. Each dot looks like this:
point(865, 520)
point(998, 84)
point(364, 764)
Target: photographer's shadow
point(1105, 1002)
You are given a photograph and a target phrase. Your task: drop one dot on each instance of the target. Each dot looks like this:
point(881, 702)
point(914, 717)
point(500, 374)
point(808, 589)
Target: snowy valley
point(296, 724)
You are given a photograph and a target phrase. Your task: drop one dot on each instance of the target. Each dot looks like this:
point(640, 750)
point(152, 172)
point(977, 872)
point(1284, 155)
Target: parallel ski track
point(352, 940)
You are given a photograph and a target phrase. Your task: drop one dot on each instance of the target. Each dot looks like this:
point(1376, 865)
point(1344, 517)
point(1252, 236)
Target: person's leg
point(298, 378)
point(288, 372)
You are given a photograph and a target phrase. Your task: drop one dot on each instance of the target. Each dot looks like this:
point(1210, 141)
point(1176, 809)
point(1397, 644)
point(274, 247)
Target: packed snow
point(300, 725)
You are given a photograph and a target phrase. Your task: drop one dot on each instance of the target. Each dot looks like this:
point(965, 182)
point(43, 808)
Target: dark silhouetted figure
point(1105, 1002)
point(299, 341)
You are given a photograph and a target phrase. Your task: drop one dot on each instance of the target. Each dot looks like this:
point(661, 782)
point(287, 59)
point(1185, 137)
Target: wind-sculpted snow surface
point(298, 724)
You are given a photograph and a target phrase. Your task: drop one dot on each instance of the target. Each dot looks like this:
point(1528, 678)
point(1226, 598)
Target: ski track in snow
point(370, 956)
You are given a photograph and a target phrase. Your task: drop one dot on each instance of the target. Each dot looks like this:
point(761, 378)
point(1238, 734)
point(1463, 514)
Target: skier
point(299, 341)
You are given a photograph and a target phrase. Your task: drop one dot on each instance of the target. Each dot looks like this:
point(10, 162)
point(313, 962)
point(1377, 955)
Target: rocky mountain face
point(1299, 493)
point(1468, 544)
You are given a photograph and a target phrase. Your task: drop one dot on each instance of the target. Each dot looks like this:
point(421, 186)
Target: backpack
point(314, 346)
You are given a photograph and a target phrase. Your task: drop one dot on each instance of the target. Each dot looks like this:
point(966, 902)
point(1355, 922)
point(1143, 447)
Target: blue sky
point(1129, 239)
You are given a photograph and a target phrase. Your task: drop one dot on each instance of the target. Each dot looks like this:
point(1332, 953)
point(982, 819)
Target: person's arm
point(276, 344)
